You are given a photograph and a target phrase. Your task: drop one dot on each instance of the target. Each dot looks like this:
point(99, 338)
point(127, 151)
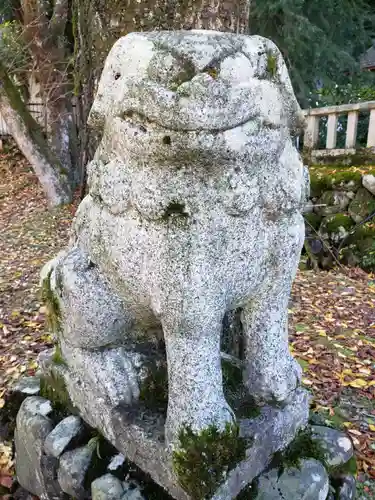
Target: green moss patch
point(53, 388)
point(57, 357)
point(313, 220)
point(302, 447)
point(154, 389)
point(333, 223)
point(328, 177)
point(202, 460)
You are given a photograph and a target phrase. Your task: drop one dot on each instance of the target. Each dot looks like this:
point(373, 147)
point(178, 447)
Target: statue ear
point(296, 119)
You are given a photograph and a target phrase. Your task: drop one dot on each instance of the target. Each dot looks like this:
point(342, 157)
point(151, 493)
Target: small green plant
point(202, 460)
point(53, 388)
point(57, 357)
point(52, 305)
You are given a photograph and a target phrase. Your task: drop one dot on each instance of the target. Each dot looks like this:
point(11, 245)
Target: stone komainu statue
point(194, 209)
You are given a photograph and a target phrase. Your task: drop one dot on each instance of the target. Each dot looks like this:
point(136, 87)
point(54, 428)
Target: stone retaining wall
point(341, 199)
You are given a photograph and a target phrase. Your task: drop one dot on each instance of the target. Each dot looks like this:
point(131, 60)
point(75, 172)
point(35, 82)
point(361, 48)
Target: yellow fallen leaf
point(371, 427)
point(347, 424)
point(2, 402)
point(322, 333)
point(358, 383)
point(370, 384)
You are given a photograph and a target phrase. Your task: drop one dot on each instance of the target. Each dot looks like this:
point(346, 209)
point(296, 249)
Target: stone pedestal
point(138, 433)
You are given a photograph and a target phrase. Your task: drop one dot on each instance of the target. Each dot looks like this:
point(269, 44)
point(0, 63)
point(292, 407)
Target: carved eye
point(117, 76)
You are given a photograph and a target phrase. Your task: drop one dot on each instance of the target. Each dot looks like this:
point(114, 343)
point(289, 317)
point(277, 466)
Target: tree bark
point(45, 24)
point(29, 138)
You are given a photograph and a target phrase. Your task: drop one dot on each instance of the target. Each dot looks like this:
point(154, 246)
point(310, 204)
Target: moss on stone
point(154, 388)
point(202, 460)
point(302, 447)
point(271, 63)
point(340, 177)
point(53, 388)
point(49, 298)
point(332, 223)
point(362, 205)
point(313, 220)
point(57, 357)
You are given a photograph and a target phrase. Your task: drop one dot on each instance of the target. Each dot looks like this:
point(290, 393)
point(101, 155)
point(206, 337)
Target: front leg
point(196, 397)
point(271, 373)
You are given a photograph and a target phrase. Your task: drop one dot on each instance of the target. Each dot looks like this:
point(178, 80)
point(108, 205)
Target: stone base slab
point(138, 434)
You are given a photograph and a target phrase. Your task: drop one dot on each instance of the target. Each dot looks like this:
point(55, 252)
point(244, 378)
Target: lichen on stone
point(202, 460)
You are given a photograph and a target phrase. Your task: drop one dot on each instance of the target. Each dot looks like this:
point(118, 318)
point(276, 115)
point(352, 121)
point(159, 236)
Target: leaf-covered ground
point(332, 317)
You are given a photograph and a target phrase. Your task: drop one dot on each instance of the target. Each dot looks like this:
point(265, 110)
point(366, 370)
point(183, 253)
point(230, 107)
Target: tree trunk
point(29, 138)
point(45, 34)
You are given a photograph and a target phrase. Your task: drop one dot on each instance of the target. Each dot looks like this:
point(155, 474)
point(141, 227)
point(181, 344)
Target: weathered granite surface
point(62, 435)
point(34, 473)
point(194, 181)
point(72, 470)
point(338, 446)
point(309, 482)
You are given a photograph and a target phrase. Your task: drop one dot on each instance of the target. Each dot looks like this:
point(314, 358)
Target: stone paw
point(275, 382)
point(197, 415)
point(112, 374)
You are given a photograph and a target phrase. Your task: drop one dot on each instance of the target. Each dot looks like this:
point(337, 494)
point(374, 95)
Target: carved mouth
point(137, 119)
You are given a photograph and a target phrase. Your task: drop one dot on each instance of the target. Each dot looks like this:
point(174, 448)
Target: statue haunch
point(194, 209)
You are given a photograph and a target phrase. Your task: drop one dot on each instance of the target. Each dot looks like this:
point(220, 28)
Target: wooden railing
point(332, 113)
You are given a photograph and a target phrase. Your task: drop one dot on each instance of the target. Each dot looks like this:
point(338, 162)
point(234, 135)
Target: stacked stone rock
point(341, 198)
point(53, 458)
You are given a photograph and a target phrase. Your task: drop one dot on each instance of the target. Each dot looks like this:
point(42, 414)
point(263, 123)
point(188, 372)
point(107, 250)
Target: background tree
point(16, 63)
point(320, 41)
